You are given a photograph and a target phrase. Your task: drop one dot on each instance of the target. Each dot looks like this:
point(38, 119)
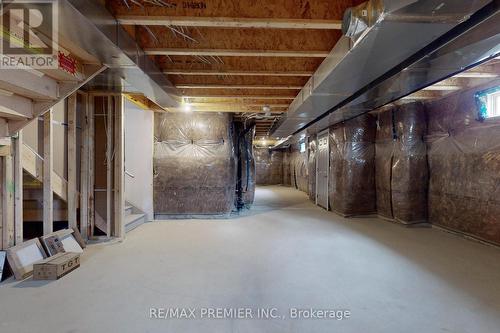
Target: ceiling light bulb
point(267, 110)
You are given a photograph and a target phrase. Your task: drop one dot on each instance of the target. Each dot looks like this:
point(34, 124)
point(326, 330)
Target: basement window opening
point(489, 103)
point(303, 147)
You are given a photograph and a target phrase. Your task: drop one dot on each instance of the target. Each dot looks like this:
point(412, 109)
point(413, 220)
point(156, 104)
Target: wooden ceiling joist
point(237, 73)
point(424, 95)
point(221, 110)
point(477, 75)
point(236, 105)
point(242, 97)
point(289, 9)
point(221, 86)
point(443, 87)
point(237, 81)
point(236, 56)
point(236, 53)
point(230, 22)
point(236, 64)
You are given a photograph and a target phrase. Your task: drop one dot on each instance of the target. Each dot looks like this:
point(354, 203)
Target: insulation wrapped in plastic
point(401, 164)
point(384, 153)
point(194, 164)
point(269, 166)
point(464, 166)
point(247, 165)
point(409, 167)
point(352, 167)
point(287, 178)
point(311, 164)
point(298, 169)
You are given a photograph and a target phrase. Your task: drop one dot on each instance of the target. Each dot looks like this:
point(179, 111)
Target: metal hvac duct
point(405, 33)
point(358, 19)
point(88, 25)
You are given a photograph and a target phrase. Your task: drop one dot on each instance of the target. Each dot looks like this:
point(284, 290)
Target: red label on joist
point(67, 63)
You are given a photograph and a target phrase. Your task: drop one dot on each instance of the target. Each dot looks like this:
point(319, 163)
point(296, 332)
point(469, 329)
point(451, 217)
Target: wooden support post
point(72, 184)
point(84, 168)
point(8, 202)
point(48, 196)
point(91, 165)
point(18, 181)
point(109, 152)
point(39, 161)
point(119, 168)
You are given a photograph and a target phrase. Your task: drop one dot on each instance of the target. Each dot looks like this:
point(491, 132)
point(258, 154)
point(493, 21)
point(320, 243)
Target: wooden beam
point(236, 73)
point(72, 182)
point(84, 168)
point(48, 196)
point(8, 202)
point(119, 168)
point(222, 86)
point(16, 107)
point(230, 22)
point(236, 53)
point(25, 83)
point(18, 188)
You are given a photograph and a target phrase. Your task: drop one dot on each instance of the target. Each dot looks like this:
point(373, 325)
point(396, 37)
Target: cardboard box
point(56, 266)
point(53, 245)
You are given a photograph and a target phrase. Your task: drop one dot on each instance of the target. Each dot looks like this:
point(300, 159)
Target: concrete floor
point(286, 253)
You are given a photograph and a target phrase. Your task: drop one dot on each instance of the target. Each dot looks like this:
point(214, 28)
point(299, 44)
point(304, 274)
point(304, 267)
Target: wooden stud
point(8, 202)
point(18, 183)
point(72, 182)
point(236, 53)
point(109, 152)
point(48, 196)
point(84, 168)
point(119, 169)
point(230, 22)
point(91, 165)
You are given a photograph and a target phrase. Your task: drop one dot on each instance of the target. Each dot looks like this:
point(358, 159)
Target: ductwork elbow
point(357, 20)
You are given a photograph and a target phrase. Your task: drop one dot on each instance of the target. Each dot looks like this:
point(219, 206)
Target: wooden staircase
point(33, 202)
point(29, 160)
point(134, 217)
